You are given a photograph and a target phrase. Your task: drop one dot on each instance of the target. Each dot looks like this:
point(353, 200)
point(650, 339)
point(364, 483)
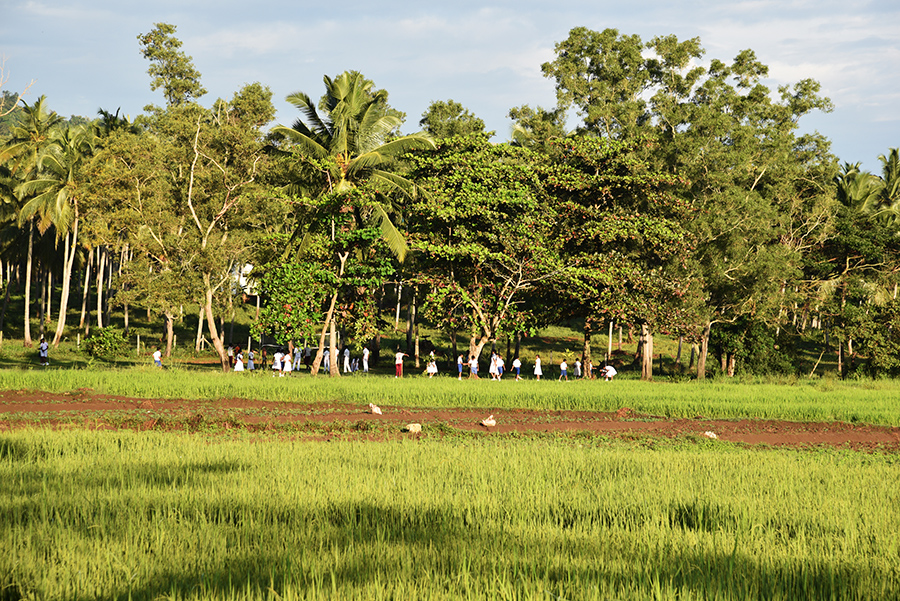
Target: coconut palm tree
point(352, 142)
point(22, 155)
point(889, 192)
point(52, 197)
point(858, 190)
point(353, 147)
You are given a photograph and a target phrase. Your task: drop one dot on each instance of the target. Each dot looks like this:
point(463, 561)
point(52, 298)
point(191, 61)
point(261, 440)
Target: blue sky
point(84, 54)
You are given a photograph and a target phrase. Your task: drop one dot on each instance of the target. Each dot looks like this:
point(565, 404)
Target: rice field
point(125, 515)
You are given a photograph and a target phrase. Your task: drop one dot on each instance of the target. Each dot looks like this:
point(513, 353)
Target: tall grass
point(876, 402)
point(116, 515)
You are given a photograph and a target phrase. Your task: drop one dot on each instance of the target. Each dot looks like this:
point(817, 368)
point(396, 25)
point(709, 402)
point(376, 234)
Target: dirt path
point(84, 408)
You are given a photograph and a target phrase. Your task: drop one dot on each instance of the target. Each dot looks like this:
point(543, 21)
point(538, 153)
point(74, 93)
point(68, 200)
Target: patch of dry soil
point(84, 408)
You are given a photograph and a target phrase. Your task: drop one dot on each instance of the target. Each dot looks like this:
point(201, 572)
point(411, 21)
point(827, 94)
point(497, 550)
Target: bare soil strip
point(84, 408)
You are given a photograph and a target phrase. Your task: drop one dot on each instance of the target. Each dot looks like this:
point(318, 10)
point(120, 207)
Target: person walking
point(44, 352)
point(538, 372)
point(157, 357)
point(517, 367)
point(238, 360)
point(346, 359)
point(563, 370)
point(365, 359)
point(250, 358)
point(577, 368)
point(460, 361)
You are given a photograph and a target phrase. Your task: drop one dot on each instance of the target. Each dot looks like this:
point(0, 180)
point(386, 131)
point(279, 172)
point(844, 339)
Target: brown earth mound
point(83, 408)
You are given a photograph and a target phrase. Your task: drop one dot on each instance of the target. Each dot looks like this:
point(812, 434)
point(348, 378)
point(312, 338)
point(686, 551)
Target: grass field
point(87, 514)
point(123, 515)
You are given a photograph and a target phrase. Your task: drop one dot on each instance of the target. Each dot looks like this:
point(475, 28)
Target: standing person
point(230, 356)
point(492, 369)
point(459, 365)
point(501, 366)
point(276, 363)
point(250, 358)
point(577, 368)
point(398, 363)
point(307, 356)
point(264, 362)
point(432, 367)
point(564, 370)
point(538, 372)
point(286, 366)
point(473, 368)
point(365, 359)
point(517, 367)
point(44, 352)
point(346, 359)
point(157, 357)
point(298, 358)
point(239, 360)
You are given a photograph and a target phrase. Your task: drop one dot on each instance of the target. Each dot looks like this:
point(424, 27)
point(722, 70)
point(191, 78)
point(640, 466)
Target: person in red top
point(398, 363)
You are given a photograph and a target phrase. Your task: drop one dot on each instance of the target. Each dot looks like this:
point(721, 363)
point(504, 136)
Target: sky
point(84, 55)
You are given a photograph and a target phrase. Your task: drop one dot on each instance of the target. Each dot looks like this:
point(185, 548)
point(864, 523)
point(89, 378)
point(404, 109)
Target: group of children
point(498, 365)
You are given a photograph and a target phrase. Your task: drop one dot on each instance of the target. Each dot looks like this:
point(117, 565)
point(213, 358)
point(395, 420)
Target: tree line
point(685, 201)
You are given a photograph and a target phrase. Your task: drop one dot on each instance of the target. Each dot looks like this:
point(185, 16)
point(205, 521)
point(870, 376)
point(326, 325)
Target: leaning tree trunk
point(314, 368)
point(101, 266)
point(68, 262)
point(85, 295)
point(28, 265)
point(211, 324)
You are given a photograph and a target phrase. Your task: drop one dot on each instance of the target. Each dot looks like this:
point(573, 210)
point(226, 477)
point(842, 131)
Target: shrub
point(106, 343)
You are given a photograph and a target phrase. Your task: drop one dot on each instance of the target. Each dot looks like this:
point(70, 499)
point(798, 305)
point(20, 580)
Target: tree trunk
point(647, 357)
point(5, 305)
point(333, 363)
point(43, 288)
point(84, 324)
point(586, 348)
point(416, 346)
point(518, 343)
point(411, 322)
point(68, 263)
point(730, 367)
point(170, 332)
point(211, 324)
point(678, 355)
point(453, 350)
point(101, 265)
point(704, 352)
point(314, 369)
point(199, 331)
point(397, 315)
point(28, 265)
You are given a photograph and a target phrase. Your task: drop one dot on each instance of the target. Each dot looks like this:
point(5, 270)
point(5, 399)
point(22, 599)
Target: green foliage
point(106, 343)
point(445, 119)
point(171, 69)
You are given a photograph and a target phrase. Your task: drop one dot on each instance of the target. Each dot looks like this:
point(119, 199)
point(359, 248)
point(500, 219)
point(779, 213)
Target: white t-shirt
point(157, 356)
point(564, 366)
point(398, 358)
